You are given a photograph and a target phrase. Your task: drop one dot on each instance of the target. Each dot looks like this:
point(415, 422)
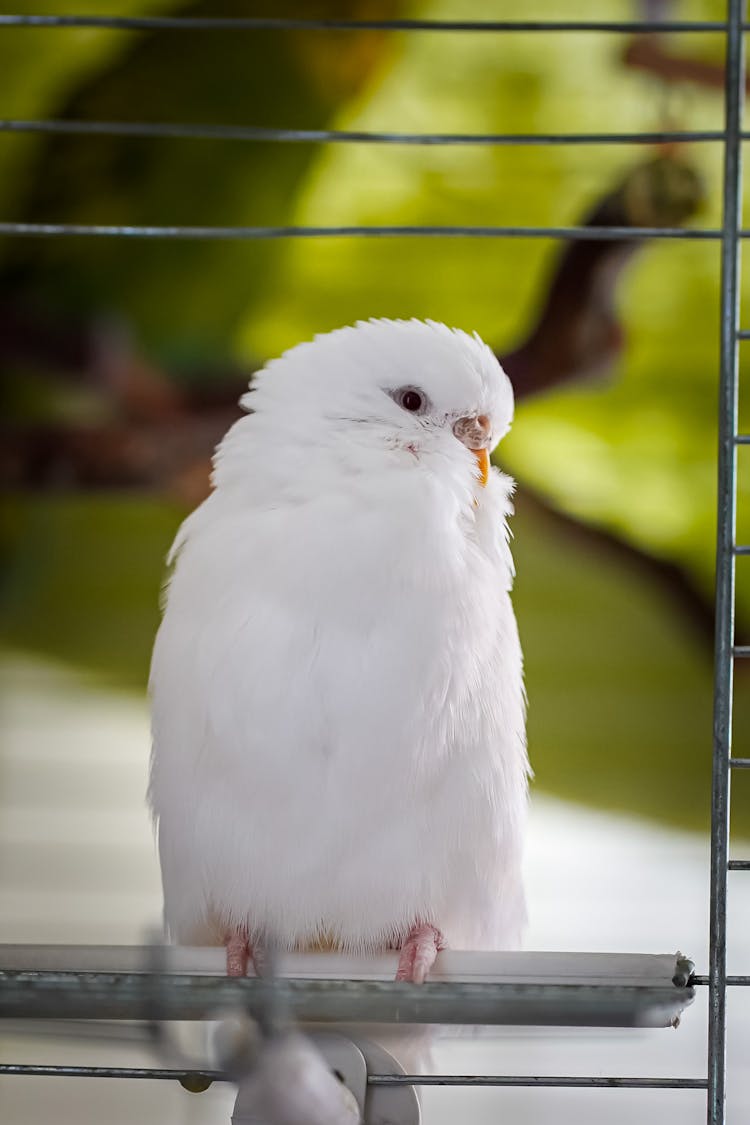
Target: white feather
point(338, 707)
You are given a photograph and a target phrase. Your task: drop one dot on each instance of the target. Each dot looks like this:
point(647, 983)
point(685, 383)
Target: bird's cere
point(339, 747)
point(475, 432)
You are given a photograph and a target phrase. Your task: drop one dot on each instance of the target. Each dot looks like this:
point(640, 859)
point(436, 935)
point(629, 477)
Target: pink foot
point(418, 953)
point(239, 954)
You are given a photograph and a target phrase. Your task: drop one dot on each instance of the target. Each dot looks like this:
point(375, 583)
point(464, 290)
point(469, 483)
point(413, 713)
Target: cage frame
point(730, 236)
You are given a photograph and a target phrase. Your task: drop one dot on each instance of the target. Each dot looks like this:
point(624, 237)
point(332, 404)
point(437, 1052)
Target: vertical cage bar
point(725, 560)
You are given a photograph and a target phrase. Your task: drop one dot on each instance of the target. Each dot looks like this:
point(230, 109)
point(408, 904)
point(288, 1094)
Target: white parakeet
point(339, 752)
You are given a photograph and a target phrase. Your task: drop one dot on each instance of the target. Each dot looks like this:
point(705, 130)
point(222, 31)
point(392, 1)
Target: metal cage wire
point(729, 236)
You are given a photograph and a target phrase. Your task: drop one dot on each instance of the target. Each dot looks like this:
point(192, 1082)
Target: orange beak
point(483, 461)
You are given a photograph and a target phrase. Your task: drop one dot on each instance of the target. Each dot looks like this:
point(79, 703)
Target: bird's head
point(411, 391)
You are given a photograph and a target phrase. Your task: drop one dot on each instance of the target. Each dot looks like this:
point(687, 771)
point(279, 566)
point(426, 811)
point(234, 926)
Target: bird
point(338, 706)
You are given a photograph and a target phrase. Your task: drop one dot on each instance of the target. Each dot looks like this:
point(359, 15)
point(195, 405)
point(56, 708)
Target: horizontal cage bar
point(733, 981)
point(341, 136)
point(473, 1080)
point(263, 23)
point(37, 1070)
point(542, 1081)
point(739, 763)
point(588, 234)
point(739, 865)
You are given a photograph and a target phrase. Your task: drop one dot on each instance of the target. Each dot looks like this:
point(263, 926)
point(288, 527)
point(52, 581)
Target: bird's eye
point(411, 399)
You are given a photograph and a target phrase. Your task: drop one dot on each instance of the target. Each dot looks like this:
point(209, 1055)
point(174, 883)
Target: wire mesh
point(730, 235)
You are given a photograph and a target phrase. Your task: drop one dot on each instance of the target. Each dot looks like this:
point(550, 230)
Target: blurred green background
point(104, 342)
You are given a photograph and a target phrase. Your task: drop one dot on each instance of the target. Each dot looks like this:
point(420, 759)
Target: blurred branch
point(578, 334)
point(648, 53)
point(141, 429)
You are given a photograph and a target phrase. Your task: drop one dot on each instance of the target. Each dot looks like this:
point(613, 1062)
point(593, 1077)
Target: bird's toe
point(418, 953)
point(239, 954)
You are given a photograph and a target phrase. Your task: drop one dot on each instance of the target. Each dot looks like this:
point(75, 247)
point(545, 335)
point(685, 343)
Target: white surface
point(77, 865)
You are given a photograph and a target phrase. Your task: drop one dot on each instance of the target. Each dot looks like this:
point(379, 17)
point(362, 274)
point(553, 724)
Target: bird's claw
point(239, 954)
point(418, 953)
